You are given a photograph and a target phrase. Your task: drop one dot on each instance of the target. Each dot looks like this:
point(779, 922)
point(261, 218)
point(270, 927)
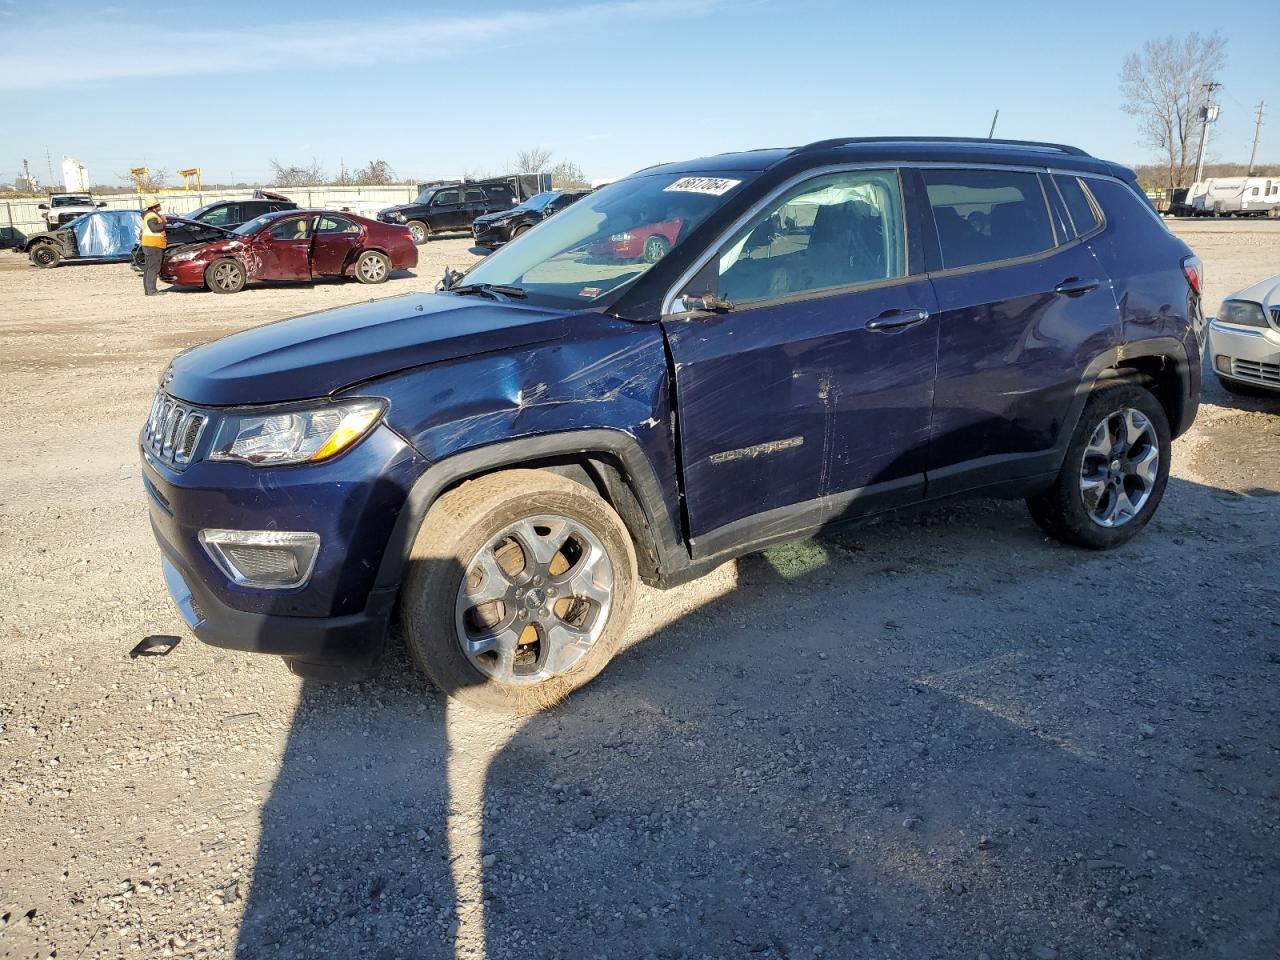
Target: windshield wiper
point(496, 291)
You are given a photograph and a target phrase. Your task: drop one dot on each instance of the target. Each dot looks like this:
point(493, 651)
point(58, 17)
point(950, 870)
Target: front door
point(335, 243)
point(1022, 305)
point(286, 249)
point(447, 212)
point(804, 395)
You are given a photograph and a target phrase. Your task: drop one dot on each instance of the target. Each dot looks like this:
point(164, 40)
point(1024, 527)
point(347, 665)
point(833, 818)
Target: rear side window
point(1075, 195)
point(984, 216)
point(475, 195)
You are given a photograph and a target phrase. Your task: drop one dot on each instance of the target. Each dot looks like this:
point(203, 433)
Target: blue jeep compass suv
point(836, 330)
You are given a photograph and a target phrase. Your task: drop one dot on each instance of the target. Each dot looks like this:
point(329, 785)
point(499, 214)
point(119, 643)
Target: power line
point(1257, 131)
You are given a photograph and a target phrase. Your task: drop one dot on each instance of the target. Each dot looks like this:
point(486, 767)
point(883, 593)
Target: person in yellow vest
point(153, 244)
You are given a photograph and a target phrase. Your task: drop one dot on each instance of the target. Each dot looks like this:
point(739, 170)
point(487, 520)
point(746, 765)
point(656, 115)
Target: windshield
point(71, 201)
point(199, 212)
point(537, 203)
point(599, 245)
point(426, 195)
point(253, 226)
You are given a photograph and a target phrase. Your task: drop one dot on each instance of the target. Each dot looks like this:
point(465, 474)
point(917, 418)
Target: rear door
point(286, 249)
point(1023, 307)
point(809, 400)
point(475, 203)
point(336, 241)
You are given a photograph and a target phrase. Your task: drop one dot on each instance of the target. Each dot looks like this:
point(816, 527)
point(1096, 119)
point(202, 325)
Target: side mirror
point(701, 303)
point(102, 203)
point(43, 206)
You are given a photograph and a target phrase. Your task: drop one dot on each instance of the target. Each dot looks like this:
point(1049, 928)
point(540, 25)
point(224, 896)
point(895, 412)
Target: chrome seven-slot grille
point(173, 430)
point(1268, 373)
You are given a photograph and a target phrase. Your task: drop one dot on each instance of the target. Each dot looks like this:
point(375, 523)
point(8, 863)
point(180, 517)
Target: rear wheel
point(225, 276)
point(373, 267)
point(419, 232)
point(1114, 474)
point(519, 589)
point(655, 248)
point(521, 230)
point(45, 255)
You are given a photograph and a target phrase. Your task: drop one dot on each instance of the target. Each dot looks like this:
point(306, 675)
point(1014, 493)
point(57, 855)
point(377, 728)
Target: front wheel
point(1114, 474)
point(373, 267)
point(45, 255)
point(519, 588)
point(225, 276)
point(419, 232)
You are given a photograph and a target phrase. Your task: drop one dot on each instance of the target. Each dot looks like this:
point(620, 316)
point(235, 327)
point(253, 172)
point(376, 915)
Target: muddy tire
point(519, 589)
point(373, 267)
point(225, 276)
point(45, 255)
point(419, 232)
point(1114, 474)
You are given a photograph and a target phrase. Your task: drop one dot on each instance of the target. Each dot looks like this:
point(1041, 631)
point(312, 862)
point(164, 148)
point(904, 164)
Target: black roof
point(900, 149)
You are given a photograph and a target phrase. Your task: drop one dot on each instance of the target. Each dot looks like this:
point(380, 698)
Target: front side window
point(444, 197)
point(984, 216)
point(588, 255)
point(218, 216)
point(291, 228)
point(1083, 216)
point(833, 231)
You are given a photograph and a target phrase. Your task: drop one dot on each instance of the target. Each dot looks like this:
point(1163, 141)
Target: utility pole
point(1257, 130)
point(1208, 114)
point(992, 132)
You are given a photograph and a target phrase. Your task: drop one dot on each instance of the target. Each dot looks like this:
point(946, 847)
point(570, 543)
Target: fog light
point(1222, 364)
point(269, 559)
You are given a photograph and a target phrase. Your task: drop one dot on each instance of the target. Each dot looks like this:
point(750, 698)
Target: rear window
point(1075, 195)
point(984, 216)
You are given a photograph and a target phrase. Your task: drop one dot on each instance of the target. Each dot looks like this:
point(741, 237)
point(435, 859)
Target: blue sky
point(443, 88)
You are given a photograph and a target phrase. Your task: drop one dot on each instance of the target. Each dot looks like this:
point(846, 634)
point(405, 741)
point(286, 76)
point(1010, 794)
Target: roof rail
point(975, 141)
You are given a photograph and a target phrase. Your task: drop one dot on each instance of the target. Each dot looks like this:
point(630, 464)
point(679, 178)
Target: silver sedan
point(1244, 339)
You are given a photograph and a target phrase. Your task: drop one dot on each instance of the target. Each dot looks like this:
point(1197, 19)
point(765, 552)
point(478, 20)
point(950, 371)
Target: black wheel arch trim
point(1169, 348)
point(671, 554)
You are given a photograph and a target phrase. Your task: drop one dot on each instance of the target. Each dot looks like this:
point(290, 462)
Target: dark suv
point(227, 214)
point(837, 330)
point(449, 208)
point(494, 229)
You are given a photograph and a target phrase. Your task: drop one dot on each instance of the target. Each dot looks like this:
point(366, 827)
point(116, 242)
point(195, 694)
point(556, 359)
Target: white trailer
point(1235, 196)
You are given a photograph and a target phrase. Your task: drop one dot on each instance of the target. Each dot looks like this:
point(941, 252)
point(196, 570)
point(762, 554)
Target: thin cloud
point(122, 52)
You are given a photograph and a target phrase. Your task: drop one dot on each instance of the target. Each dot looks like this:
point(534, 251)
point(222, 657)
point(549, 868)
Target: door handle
point(897, 319)
point(1074, 286)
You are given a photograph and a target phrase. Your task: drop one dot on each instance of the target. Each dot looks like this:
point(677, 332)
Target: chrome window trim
point(806, 295)
point(1098, 213)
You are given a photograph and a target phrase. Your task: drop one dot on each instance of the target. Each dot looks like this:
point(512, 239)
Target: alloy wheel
point(417, 234)
point(226, 276)
point(373, 268)
point(1120, 466)
point(534, 600)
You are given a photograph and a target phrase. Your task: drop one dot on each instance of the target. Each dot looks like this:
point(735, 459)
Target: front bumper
point(352, 502)
point(185, 273)
point(489, 235)
point(1248, 354)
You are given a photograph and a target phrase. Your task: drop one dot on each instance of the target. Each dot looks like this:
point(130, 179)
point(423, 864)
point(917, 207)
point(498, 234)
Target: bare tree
point(297, 176)
point(567, 175)
point(148, 182)
point(377, 173)
point(1163, 87)
point(533, 160)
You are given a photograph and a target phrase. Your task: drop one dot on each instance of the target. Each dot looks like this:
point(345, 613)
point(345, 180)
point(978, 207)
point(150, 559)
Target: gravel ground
point(936, 735)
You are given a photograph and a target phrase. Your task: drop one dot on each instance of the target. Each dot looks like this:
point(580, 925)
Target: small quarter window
point(1083, 215)
point(984, 216)
point(832, 231)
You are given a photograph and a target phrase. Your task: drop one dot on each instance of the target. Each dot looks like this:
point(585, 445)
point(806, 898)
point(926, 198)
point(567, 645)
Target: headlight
point(306, 435)
point(1243, 312)
point(184, 256)
point(400, 216)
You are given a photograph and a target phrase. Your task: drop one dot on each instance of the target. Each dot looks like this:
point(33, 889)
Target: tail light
point(1195, 272)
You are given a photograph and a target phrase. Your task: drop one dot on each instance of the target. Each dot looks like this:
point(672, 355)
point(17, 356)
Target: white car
point(1244, 339)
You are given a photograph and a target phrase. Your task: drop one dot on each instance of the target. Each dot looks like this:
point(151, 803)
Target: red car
point(293, 245)
point(649, 242)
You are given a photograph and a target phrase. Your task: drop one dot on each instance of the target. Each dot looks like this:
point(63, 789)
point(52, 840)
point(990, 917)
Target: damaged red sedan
point(293, 245)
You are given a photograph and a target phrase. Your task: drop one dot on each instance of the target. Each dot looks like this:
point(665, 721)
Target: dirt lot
point(937, 735)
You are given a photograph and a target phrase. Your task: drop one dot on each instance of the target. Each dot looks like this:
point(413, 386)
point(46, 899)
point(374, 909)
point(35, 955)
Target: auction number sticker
point(713, 186)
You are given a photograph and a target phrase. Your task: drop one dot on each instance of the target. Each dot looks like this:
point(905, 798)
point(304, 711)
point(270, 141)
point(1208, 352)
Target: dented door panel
point(788, 403)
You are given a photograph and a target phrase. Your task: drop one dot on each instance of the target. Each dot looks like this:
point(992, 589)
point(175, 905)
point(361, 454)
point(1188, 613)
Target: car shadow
point(894, 740)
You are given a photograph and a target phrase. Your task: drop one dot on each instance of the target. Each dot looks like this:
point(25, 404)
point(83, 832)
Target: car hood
point(495, 217)
point(399, 208)
point(318, 354)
